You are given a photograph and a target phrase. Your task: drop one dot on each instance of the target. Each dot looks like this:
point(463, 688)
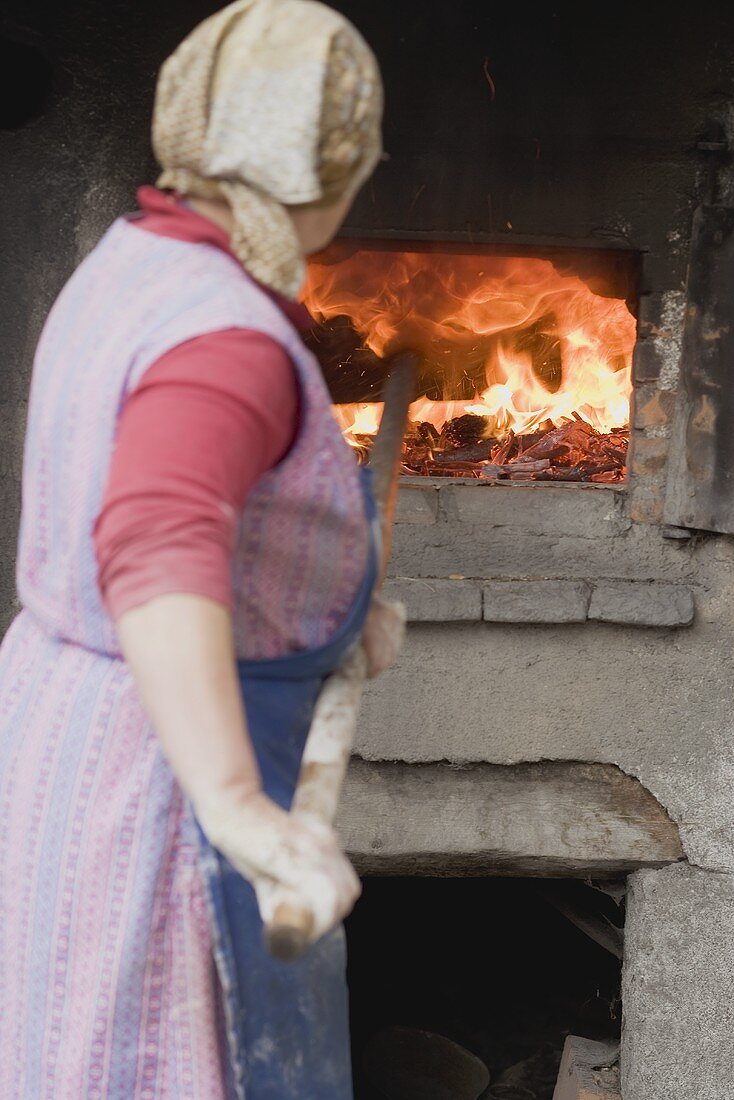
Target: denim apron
point(287, 1023)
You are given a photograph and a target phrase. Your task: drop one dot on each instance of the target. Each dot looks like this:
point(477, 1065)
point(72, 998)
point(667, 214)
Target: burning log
point(560, 441)
point(429, 435)
point(501, 454)
point(432, 469)
point(526, 470)
point(516, 471)
point(561, 473)
point(584, 471)
point(463, 431)
point(477, 452)
point(541, 341)
point(491, 470)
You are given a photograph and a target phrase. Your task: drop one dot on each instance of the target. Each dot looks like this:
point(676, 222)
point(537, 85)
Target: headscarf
point(267, 104)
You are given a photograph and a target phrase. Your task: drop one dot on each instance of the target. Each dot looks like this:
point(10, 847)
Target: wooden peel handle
point(291, 932)
point(324, 764)
point(330, 739)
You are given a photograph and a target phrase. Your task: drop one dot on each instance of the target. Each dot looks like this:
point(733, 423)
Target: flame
point(360, 419)
point(534, 344)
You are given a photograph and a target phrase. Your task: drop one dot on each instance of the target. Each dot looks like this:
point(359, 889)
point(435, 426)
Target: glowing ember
point(512, 349)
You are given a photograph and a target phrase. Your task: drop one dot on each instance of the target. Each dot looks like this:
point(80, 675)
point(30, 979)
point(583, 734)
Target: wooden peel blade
point(329, 744)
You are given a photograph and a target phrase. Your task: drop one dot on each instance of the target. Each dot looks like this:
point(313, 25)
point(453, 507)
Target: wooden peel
point(330, 739)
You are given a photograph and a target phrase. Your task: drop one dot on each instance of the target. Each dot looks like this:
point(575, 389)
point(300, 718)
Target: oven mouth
point(525, 355)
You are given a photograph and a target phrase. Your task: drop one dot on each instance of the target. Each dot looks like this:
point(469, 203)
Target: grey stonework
point(536, 509)
point(437, 601)
point(678, 1037)
point(640, 604)
point(415, 505)
point(655, 701)
point(536, 601)
point(629, 603)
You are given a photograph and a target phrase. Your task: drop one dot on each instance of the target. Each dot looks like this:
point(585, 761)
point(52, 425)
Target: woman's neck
point(216, 211)
point(315, 226)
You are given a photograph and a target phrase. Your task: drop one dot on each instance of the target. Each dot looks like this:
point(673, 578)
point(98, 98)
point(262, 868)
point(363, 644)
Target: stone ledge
point(552, 819)
point(535, 509)
point(635, 603)
point(437, 601)
point(536, 601)
point(625, 603)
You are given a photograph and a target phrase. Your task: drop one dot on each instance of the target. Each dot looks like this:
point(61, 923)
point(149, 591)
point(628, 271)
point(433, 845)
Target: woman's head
point(273, 106)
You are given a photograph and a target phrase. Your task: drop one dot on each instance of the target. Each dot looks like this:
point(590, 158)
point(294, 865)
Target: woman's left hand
point(383, 634)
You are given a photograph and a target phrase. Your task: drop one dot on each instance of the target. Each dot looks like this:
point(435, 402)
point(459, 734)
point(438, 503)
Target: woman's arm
point(205, 423)
point(179, 649)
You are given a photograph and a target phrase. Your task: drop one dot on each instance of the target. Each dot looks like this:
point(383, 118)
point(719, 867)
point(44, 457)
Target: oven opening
point(469, 988)
point(526, 358)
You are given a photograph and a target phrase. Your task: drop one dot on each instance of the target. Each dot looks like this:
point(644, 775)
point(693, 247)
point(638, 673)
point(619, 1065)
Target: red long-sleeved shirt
point(207, 420)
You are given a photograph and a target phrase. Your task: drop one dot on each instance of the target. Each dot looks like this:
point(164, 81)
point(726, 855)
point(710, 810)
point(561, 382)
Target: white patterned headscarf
point(269, 104)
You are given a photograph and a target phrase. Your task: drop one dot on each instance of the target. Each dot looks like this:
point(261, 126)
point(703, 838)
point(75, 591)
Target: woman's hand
point(384, 631)
point(284, 857)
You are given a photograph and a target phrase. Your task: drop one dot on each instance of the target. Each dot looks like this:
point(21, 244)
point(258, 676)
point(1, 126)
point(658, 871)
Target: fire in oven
point(525, 358)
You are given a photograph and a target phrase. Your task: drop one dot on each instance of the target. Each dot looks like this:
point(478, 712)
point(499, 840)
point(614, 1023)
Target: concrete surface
point(678, 1037)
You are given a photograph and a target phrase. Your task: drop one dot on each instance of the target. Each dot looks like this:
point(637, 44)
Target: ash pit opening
point(491, 964)
point(526, 357)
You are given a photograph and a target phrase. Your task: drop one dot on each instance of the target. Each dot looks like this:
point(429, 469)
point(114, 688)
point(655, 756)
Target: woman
point(194, 532)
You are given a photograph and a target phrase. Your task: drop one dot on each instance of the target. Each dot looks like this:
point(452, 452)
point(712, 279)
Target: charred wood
point(574, 452)
point(463, 431)
point(477, 452)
